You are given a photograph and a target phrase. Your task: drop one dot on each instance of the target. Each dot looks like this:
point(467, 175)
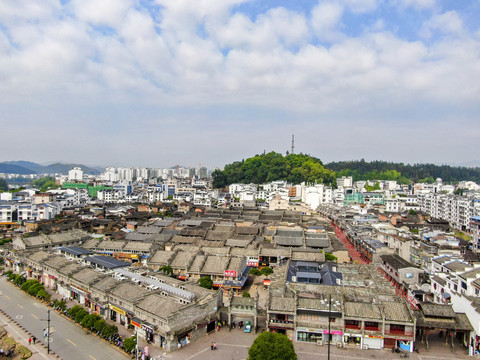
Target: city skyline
point(157, 83)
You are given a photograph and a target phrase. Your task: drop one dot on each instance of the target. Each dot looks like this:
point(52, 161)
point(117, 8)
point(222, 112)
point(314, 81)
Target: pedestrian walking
point(211, 346)
point(34, 339)
point(45, 333)
point(29, 341)
point(214, 346)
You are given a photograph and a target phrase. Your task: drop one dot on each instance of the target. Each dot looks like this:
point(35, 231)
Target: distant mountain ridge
point(28, 167)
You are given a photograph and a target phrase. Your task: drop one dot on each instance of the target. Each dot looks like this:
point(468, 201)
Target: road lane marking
point(20, 306)
point(34, 316)
point(8, 297)
point(71, 342)
point(92, 357)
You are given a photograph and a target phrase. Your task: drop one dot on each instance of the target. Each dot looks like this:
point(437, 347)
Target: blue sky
point(163, 82)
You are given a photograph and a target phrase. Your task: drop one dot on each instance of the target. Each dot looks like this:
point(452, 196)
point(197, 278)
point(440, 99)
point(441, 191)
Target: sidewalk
point(122, 331)
point(39, 350)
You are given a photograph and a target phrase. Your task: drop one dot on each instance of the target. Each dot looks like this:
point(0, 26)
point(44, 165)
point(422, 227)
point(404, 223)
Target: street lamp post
point(48, 330)
point(136, 345)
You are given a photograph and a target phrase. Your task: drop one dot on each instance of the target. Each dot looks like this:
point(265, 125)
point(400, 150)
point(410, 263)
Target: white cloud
point(277, 28)
point(102, 13)
point(202, 62)
point(446, 23)
point(325, 20)
point(417, 4)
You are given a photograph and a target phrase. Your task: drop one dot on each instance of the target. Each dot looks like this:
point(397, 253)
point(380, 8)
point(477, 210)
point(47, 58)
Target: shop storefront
point(373, 342)
point(309, 335)
point(148, 328)
point(335, 337)
point(183, 339)
point(352, 339)
point(117, 314)
point(98, 309)
point(406, 345)
point(80, 295)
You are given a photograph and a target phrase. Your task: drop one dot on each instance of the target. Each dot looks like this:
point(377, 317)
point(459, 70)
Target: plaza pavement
point(234, 345)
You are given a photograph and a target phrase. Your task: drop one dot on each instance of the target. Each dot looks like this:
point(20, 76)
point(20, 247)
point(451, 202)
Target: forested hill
point(403, 173)
point(295, 168)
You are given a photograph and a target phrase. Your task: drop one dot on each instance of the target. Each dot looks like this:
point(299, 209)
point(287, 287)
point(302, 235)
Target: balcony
point(372, 328)
point(353, 327)
point(398, 332)
point(276, 321)
point(285, 324)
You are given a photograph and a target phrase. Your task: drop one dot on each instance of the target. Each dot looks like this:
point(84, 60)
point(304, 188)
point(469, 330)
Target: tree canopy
point(272, 346)
point(298, 168)
point(205, 282)
point(294, 168)
point(45, 183)
point(3, 185)
point(403, 173)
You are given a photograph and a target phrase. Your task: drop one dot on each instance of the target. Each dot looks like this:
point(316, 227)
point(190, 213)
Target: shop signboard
point(118, 310)
point(333, 332)
point(230, 273)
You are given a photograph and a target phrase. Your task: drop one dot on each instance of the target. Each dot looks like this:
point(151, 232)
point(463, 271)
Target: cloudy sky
point(162, 82)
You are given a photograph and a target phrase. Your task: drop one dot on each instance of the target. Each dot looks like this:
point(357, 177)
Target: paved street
point(234, 346)
point(70, 341)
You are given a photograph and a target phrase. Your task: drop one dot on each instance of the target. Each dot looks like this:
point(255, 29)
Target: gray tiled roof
point(159, 305)
point(182, 259)
point(130, 292)
point(162, 257)
point(362, 310)
point(197, 264)
point(282, 304)
point(396, 311)
point(215, 265)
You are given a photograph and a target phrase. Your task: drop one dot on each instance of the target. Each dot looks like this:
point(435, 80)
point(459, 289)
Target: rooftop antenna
point(293, 144)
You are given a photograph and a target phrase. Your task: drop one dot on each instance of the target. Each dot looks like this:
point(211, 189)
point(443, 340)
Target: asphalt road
point(69, 341)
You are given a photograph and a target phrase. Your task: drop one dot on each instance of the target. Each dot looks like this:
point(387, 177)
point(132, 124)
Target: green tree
point(42, 294)
point(35, 288)
point(3, 185)
point(254, 272)
point(26, 285)
point(205, 282)
point(72, 312)
point(19, 280)
point(129, 344)
point(294, 168)
point(80, 315)
point(99, 325)
point(45, 183)
point(89, 321)
point(109, 330)
point(270, 346)
point(266, 271)
point(330, 257)
point(246, 294)
point(167, 269)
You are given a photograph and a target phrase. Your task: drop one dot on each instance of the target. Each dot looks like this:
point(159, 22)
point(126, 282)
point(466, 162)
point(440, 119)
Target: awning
point(136, 322)
point(147, 327)
point(446, 295)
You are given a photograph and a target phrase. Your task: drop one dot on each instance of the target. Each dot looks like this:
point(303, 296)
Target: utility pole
point(48, 330)
point(293, 144)
point(136, 345)
point(329, 335)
